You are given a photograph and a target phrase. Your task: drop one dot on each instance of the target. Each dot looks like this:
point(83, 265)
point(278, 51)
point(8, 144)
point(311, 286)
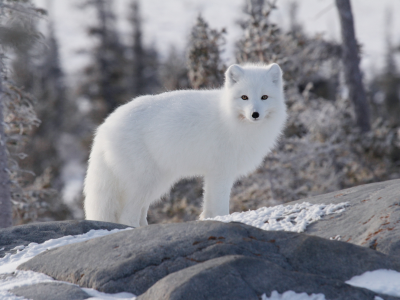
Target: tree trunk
point(138, 82)
point(351, 62)
point(5, 198)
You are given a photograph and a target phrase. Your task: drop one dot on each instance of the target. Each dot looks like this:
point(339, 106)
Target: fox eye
point(264, 97)
point(244, 97)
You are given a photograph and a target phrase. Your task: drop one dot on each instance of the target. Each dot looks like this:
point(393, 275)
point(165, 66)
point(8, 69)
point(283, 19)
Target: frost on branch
point(18, 34)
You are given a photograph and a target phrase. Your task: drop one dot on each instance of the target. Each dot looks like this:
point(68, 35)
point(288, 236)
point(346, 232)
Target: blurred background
point(67, 64)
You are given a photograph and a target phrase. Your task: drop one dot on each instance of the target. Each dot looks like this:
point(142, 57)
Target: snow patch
point(25, 278)
point(284, 218)
point(96, 295)
point(17, 279)
point(10, 262)
point(379, 281)
point(290, 295)
point(10, 278)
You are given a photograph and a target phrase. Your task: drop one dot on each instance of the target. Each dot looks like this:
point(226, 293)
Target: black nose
point(255, 115)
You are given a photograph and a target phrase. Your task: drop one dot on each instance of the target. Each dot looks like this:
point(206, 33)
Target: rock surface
point(41, 232)
point(241, 277)
point(135, 260)
point(51, 291)
point(213, 260)
point(372, 220)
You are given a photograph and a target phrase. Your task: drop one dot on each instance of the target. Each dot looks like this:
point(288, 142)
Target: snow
point(290, 295)
point(19, 278)
point(11, 278)
point(284, 218)
point(10, 262)
point(96, 295)
point(380, 281)
point(289, 218)
point(10, 281)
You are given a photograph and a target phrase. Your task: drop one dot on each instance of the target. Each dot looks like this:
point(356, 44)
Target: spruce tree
point(205, 65)
point(173, 71)
point(17, 34)
point(105, 78)
point(138, 80)
point(143, 68)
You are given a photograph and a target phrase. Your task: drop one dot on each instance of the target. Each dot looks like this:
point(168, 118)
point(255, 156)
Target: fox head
point(255, 92)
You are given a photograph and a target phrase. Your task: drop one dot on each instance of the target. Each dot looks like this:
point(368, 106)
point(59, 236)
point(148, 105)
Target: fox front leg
point(217, 190)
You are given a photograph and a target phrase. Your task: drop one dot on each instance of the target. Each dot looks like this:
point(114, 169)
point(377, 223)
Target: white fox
point(148, 144)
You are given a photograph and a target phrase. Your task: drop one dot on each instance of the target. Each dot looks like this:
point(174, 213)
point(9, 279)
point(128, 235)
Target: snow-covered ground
point(11, 278)
point(286, 218)
point(381, 281)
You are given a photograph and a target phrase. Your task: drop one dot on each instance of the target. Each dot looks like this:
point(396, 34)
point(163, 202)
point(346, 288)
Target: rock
point(41, 232)
point(134, 260)
point(213, 260)
point(51, 291)
point(240, 277)
point(372, 220)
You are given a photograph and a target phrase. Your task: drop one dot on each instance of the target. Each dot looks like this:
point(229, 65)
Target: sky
point(168, 23)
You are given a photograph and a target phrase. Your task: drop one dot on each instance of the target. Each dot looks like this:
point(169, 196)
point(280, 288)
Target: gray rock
point(240, 277)
point(51, 291)
point(372, 220)
point(134, 260)
point(41, 232)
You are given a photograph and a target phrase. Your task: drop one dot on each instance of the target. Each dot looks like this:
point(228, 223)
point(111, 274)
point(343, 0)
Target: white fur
point(148, 144)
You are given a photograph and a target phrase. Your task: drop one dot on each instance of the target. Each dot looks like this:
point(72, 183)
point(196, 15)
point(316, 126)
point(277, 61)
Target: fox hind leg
point(143, 215)
point(140, 196)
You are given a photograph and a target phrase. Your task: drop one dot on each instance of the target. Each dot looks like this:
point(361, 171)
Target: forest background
point(54, 99)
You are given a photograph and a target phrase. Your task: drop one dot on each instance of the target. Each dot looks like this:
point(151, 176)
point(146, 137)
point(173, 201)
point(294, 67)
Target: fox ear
point(233, 74)
point(275, 73)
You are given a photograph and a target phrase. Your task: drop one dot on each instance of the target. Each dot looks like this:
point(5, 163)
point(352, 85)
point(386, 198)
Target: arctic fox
point(148, 144)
